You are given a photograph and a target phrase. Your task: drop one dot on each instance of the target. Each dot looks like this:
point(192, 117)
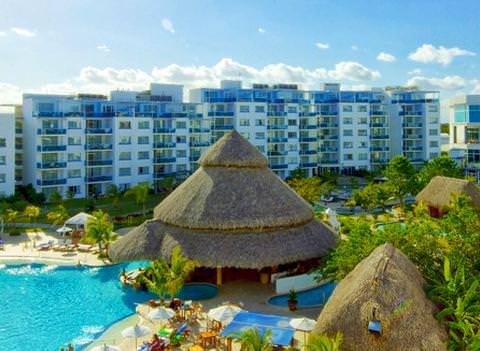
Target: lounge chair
point(46, 245)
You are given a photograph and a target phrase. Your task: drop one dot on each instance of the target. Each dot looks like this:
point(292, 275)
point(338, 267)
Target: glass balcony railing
point(199, 130)
point(164, 159)
point(91, 163)
point(98, 178)
point(380, 136)
point(48, 165)
point(98, 147)
point(43, 148)
point(277, 140)
point(308, 164)
point(49, 182)
point(164, 130)
point(98, 130)
point(199, 143)
point(307, 152)
point(164, 145)
point(51, 131)
point(279, 166)
point(222, 127)
point(308, 139)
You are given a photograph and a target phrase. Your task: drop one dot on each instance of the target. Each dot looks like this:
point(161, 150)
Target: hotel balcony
point(102, 114)
point(47, 148)
point(277, 127)
point(50, 165)
point(98, 130)
point(379, 148)
point(276, 113)
point(220, 114)
point(199, 130)
point(223, 127)
point(328, 125)
point(308, 126)
point(164, 130)
point(277, 140)
point(308, 152)
point(277, 153)
point(98, 147)
point(413, 136)
point(98, 178)
point(308, 139)
point(48, 114)
point(51, 131)
point(94, 163)
point(329, 113)
point(412, 124)
point(164, 159)
point(308, 164)
point(199, 143)
point(163, 145)
point(279, 166)
point(381, 136)
point(328, 137)
point(411, 113)
point(328, 149)
point(328, 161)
point(50, 182)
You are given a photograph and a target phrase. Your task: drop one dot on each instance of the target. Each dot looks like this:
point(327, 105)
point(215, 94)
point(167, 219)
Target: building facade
point(7, 150)
point(464, 126)
point(78, 145)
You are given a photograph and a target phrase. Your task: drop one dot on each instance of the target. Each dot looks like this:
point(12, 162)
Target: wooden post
point(219, 276)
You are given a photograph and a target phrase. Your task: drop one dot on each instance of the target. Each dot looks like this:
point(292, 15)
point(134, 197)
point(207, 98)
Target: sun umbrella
point(105, 347)
point(63, 230)
point(136, 332)
point(305, 325)
point(223, 313)
point(161, 314)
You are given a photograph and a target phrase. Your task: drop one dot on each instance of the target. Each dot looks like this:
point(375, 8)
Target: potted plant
point(292, 300)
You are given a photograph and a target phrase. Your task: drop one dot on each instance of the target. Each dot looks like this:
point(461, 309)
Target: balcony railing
point(328, 125)
point(164, 130)
point(383, 136)
point(413, 136)
point(199, 143)
point(98, 163)
point(51, 131)
point(308, 139)
point(222, 127)
point(164, 145)
point(98, 130)
point(98, 147)
point(308, 126)
point(98, 178)
point(43, 148)
point(328, 162)
point(328, 137)
point(277, 153)
point(328, 149)
point(308, 164)
point(164, 159)
point(49, 182)
point(307, 152)
point(412, 125)
point(277, 127)
point(199, 130)
point(220, 114)
point(47, 165)
point(279, 166)
point(379, 148)
point(277, 140)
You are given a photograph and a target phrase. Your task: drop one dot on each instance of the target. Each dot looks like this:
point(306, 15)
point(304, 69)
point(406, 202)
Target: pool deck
point(252, 295)
point(20, 249)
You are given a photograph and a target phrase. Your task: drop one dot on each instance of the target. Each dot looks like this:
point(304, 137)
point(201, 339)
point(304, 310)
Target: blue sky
point(68, 46)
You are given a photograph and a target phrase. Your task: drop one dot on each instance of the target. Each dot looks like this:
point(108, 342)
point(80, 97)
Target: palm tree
point(58, 216)
point(11, 216)
point(325, 343)
point(251, 340)
point(169, 277)
point(100, 229)
point(140, 193)
point(31, 212)
point(114, 194)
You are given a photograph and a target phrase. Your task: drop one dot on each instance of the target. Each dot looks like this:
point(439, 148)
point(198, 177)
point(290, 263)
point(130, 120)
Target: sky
point(59, 46)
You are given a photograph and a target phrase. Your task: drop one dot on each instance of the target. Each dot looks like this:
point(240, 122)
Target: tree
point(100, 230)
point(439, 166)
point(58, 216)
point(325, 343)
point(140, 193)
point(297, 173)
point(11, 216)
point(251, 340)
point(114, 194)
point(31, 212)
point(55, 198)
point(167, 184)
point(308, 188)
point(366, 197)
point(401, 178)
point(163, 276)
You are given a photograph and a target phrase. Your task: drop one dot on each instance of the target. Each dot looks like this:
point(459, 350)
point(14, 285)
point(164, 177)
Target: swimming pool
point(198, 291)
point(46, 306)
point(313, 297)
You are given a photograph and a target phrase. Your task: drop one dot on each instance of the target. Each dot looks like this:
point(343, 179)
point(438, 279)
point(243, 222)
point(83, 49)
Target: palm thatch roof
point(439, 191)
point(385, 286)
point(232, 212)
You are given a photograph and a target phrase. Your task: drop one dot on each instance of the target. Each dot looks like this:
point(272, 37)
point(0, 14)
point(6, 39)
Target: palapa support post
point(219, 276)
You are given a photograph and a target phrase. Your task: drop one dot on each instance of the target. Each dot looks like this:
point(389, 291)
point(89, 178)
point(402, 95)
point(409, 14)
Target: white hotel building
point(82, 144)
point(7, 150)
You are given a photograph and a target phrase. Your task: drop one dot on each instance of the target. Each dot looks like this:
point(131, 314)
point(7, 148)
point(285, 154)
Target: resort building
point(81, 144)
point(233, 216)
point(7, 150)
point(381, 305)
point(439, 193)
point(464, 125)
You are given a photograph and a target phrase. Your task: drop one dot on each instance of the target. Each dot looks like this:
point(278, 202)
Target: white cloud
point(428, 53)
point(10, 94)
point(446, 83)
point(385, 57)
point(353, 71)
point(168, 25)
point(103, 47)
point(322, 46)
point(23, 32)
point(261, 30)
point(354, 47)
point(415, 72)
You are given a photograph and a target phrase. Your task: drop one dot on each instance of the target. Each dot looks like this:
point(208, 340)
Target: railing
point(159, 145)
point(277, 140)
point(308, 164)
point(308, 139)
point(42, 148)
point(328, 125)
point(103, 114)
point(222, 127)
point(98, 130)
point(164, 130)
point(51, 131)
point(164, 159)
point(308, 126)
point(47, 114)
point(199, 130)
point(278, 153)
point(48, 182)
point(98, 162)
point(412, 136)
point(412, 125)
point(279, 166)
point(277, 127)
point(307, 152)
point(378, 125)
point(220, 114)
point(379, 148)
point(98, 146)
point(277, 113)
point(328, 162)
point(328, 137)
point(101, 178)
point(328, 149)
point(411, 113)
point(199, 143)
point(46, 165)
point(384, 136)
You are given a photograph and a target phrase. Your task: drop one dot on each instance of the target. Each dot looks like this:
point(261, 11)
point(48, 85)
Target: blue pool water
point(307, 298)
point(198, 291)
point(46, 306)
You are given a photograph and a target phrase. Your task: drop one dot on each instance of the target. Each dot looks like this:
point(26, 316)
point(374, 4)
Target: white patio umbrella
point(223, 313)
point(64, 230)
point(105, 347)
point(161, 314)
point(136, 332)
point(303, 324)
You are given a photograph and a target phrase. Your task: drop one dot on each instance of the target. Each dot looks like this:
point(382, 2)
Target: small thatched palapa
point(439, 191)
point(385, 286)
point(232, 212)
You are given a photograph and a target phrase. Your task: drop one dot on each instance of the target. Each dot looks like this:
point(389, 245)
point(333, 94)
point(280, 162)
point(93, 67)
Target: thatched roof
point(438, 193)
point(389, 284)
point(232, 212)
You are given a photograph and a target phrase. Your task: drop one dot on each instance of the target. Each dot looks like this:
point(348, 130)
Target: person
point(70, 347)
point(156, 343)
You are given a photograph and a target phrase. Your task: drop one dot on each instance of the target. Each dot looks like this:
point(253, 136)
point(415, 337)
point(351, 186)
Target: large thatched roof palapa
point(388, 287)
point(232, 212)
point(439, 191)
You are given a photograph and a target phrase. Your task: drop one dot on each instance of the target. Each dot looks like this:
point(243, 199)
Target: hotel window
point(244, 122)
point(74, 173)
point(347, 108)
point(74, 140)
point(3, 178)
point(143, 140)
point(124, 125)
point(244, 108)
point(143, 155)
point(181, 153)
point(363, 120)
point(292, 122)
point(74, 189)
point(181, 139)
point(246, 135)
point(362, 132)
point(348, 145)
point(3, 142)
point(434, 144)
point(125, 140)
point(292, 109)
point(432, 108)
point(362, 145)
point(292, 147)
point(125, 156)
point(347, 132)
point(261, 148)
point(181, 124)
point(74, 156)
point(124, 171)
point(348, 157)
point(3, 160)
point(259, 122)
point(347, 120)
point(433, 155)
point(260, 109)
point(292, 160)
point(259, 136)
point(143, 170)
point(362, 108)
point(433, 132)
point(143, 125)
point(74, 125)
point(292, 135)
point(362, 156)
